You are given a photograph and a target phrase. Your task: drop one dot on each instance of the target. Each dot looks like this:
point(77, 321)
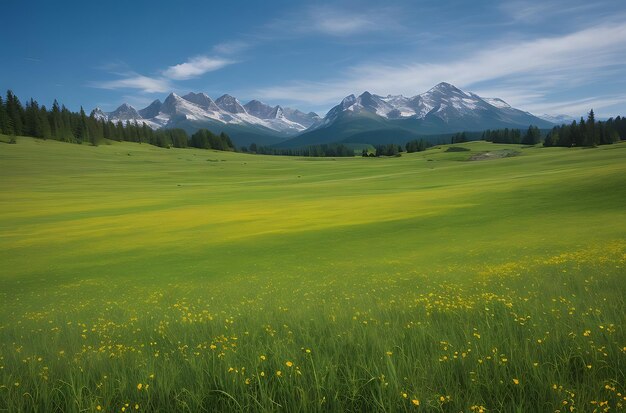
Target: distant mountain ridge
point(367, 118)
point(442, 109)
point(196, 110)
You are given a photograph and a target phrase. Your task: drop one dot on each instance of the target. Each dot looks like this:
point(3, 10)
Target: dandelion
point(389, 353)
point(262, 374)
point(308, 351)
point(289, 364)
point(98, 408)
point(279, 373)
point(262, 357)
point(139, 386)
point(516, 381)
point(136, 407)
point(415, 402)
point(404, 395)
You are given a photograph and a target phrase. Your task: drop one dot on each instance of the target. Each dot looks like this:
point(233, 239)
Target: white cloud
point(196, 66)
point(337, 22)
point(334, 22)
point(531, 11)
point(533, 66)
point(600, 104)
point(135, 81)
point(232, 47)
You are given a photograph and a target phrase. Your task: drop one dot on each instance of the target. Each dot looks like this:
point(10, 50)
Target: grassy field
point(135, 278)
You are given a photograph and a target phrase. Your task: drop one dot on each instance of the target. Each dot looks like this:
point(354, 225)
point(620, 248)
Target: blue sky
point(555, 57)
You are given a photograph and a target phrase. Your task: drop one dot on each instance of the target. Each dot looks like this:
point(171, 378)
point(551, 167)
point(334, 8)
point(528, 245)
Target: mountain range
point(253, 122)
point(367, 118)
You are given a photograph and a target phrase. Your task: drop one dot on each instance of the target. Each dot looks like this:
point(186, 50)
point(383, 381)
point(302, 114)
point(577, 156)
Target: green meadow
point(136, 278)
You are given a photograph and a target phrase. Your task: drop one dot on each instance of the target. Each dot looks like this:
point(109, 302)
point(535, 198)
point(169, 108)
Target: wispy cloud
point(537, 66)
point(192, 68)
point(196, 66)
point(527, 11)
point(337, 21)
point(231, 47)
point(135, 81)
point(578, 107)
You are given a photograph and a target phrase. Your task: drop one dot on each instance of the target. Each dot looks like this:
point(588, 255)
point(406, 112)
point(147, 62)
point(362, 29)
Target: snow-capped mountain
point(443, 101)
point(151, 110)
point(365, 118)
point(442, 109)
point(558, 119)
point(230, 104)
point(197, 110)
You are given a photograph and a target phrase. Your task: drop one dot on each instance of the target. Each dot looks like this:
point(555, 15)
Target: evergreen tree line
point(417, 145)
point(532, 136)
point(205, 139)
point(59, 123)
point(587, 133)
point(460, 137)
point(331, 150)
point(390, 149)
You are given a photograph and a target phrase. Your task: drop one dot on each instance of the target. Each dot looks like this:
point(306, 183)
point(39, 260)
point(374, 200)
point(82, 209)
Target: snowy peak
point(97, 113)
point(151, 110)
point(348, 101)
point(171, 104)
point(230, 104)
point(277, 113)
point(201, 100)
point(445, 88)
point(259, 109)
point(125, 112)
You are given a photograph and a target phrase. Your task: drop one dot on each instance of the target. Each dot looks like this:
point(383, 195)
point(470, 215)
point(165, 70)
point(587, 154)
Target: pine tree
point(5, 124)
point(590, 130)
point(44, 123)
point(15, 112)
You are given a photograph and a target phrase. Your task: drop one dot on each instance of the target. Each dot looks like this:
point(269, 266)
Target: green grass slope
point(136, 278)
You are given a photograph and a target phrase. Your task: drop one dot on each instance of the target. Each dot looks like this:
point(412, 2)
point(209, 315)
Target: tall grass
point(498, 306)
